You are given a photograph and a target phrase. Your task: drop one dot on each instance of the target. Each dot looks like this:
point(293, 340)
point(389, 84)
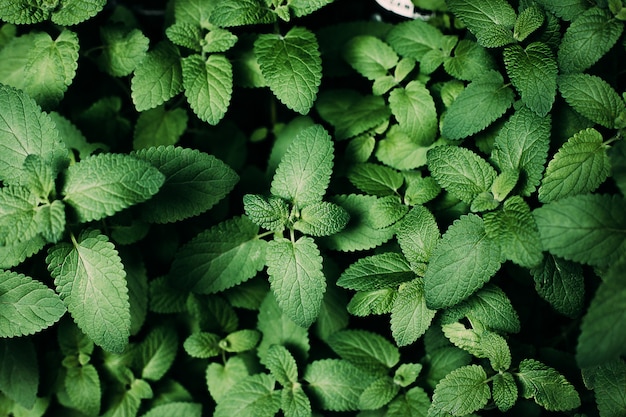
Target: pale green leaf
point(228, 13)
point(607, 382)
point(522, 145)
point(208, 86)
point(292, 67)
point(365, 349)
point(156, 353)
point(414, 38)
point(158, 78)
point(321, 219)
point(254, 396)
point(593, 98)
point(360, 148)
point(106, 183)
point(90, 278)
point(546, 386)
point(296, 278)
point(73, 12)
point(462, 391)
point(420, 190)
point(269, 213)
point(202, 345)
point(460, 171)
point(387, 211)
point(370, 56)
point(127, 403)
point(336, 384)
point(123, 49)
point(15, 253)
point(281, 364)
point(561, 283)
point(221, 378)
point(462, 262)
point(528, 21)
point(490, 21)
point(403, 69)
point(195, 12)
point(587, 39)
point(194, 183)
point(351, 113)
point(443, 360)
point(186, 35)
point(38, 176)
point(588, 229)
point(23, 12)
point(377, 302)
point(378, 394)
point(294, 402)
point(469, 61)
point(27, 306)
point(400, 151)
point(414, 403)
point(533, 72)
point(414, 109)
point(383, 270)
point(82, 385)
point(240, 341)
point(504, 391)
point(407, 373)
point(186, 409)
point(417, 236)
point(18, 215)
point(304, 7)
point(410, 317)
point(480, 343)
point(375, 179)
point(158, 126)
point(218, 40)
point(303, 173)
point(19, 370)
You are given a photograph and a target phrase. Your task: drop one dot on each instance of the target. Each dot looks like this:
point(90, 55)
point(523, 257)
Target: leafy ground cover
point(312, 208)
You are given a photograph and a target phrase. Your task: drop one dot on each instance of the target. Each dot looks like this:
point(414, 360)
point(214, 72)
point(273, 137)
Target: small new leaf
point(156, 353)
point(546, 386)
point(462, 391)
point(321, 219)
point(504, 391)
point(375, 179)
point(529, 20)
point(269, 213)
point(414, 38)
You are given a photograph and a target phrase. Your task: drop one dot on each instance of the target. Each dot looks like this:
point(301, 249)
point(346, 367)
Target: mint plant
point(308, 207)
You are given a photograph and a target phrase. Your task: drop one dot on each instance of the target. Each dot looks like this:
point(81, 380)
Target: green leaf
point(414, 403)
point(304, 7)
point(407, 373)
point(304, 170)
point(533, 72)
point(221, 378)
point(410, 317)
point(469, 61)
point(560, 283)
point(364, 349)
point(281, 364)
point(592, 97)
point(240, 341)
point(463, 261)
point(490, 21)
point(228, 13)
point(462, 391)
point(208, 86)
point(378, 394)
point(292, 67)
point(480, 343)
point(335, 384)
point(387, 211)
point(104, 184)
point(82, 385)
point(515, 230)
point(194, 183)
point(546, 386)
point(488, 98)
point(607, 382)
point(18, 215)
point(16, 253)
point(156, 353)
point(195, 12)
point(366, 303)
point(587, 39)
point(123, 49)
point(218, 40)
point(334, 315)
point(175, 409)
point(90, 279)
point(522, 145)
point(269, 213)
point(617, 160)
point(23, 12)
point(375, 179)
point(19, 371)
point(585, 228)
point(400, 151)
point(528, 21)
point(186, 35)
point(417, 236)
point(41, 66)
point(252, 397)
point(370, 56)
point(566, 10)
point(414, 38)
point(321, 219)
point(460, 171)
point(296, 278)
point(73, 12)
point(159, 126)
point(202, 345)
point(383, 270)
point(414, 109)
point(158, 78)
point(504, 391)
point(27, 306)
point(294, 402)
point(73, 137)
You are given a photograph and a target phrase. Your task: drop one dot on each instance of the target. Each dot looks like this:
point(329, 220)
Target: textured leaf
point(292, 67)
point(208, 86)
point(522, 145)
point(82, 385)
point(156, 353)
point(414, 403)
point(269, 213)
point(72, 12)
point(488, 98)
point(15, 253)
point(185, 34)
point(240, 341)
point(592, 97)
point(470, 61)
point(281, 364)
point(607, 382)
point(23, 12)
point(414, 38)
point(304, 7)
point(218, 40)
point(365, 349)
point(240, 12)
point(321, 219)
point(410, 317)
point(194, 182)
point(398, 150)
point(533, 72)
point(159, 127)
point(378, 394)
point(560, 283)
point(375, 179)
point(548, 388)
point(383, 270)
point(587, 39)
point(528, 21)
point(414, 109)
point(490, 21)
point(19, 371)
point(18, 215)
point(294, 402)
point(304, 170)
point(26, 306)
point(462, 391)
point(417, 236)
point(460, 171)
point(480, 343)
point(219, 258)
point(387, 211)
point(175, 409)
point(365, 303)
point(296, 278)
point(370, 56)
point(252, 397)
point(202, 345)
point(504, 391)
point(567, 10)
point(90, 278)
point(221, 378)
point(104, 184)
point(463, 261)
point(123, 49)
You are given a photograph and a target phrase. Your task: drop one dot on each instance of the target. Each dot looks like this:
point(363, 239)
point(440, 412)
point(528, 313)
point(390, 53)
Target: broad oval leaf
point(414, 38)
point(417, 236)
point(73, 12)
point(410, 317)
point(365, 349)
point(321, 219)
point(491, 21)
point(156, 353)
point(370, 56)
point(546, 386)
point(239, 12)
point(414, 108)
point(254, 396)
point(383, 270)
point(462, 391)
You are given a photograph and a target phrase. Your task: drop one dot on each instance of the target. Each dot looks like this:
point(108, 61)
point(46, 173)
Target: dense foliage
point(306, 207)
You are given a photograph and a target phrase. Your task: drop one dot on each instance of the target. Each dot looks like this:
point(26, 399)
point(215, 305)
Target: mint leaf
point(533, 72)
point(23, 12)
point(383, 270)
point(294, 401)
point(321, 219)
point(463, 261)
point(414, 38)
point(504, 391)
point(104, 184)
point(414, 403)
point(228, 13)
point(208, 86)
point(366, 303)
point(460, 171)
point(386, 211)
point(546, 386)
point(490, 21)
point(370, 56)
point(19, 373)
point(175, 409)
point(587, 39)
point(73, 12)
point(26, 306)
point(156, 353)
point(269, 213)
point(414, 109)
point(186, 35)
point(221, 378)
point(365, 349)
point(560, 283)
point(202, 345)
point(417, 235)
point(585, 228)
point(304, 170)
point(82, 385)
point(378, 394)
point(304, 7)
point(522, 145)
point(123, 49)
point(469, 61)
point(567, 10)
point(218, 40)
point(487, 96)
point(194, 182)
point(480, 343)
point(529, 20)
point(292, 67)
point(410, 317)
point(296, 278)
point(281, 364)
point(401, 151)
point(375, 179)
point(240, 341)
point(18, 215)
point(606, 382)
point(159, 126)
point(90, 278)
point(15, 253)
point(462, 391)
point(254, 396)
point(592, 97)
